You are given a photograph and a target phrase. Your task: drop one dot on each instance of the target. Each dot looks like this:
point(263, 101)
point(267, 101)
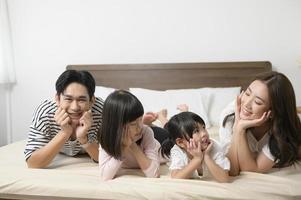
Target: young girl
point(190, 150)
point(262, 129)
point(124, 140)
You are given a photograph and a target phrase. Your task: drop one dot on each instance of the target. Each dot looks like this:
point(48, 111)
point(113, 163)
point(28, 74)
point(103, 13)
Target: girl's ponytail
point(166, 147)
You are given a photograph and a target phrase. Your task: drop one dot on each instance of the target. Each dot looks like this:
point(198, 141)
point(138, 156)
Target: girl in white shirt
point(190, 150)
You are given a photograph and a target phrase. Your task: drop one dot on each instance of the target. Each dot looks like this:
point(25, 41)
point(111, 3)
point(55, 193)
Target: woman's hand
point(243, 124)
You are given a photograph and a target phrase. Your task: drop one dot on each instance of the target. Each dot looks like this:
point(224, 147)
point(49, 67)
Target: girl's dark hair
point(181, 125)
point(285, 124)
point(73, 76)
point(119, 108)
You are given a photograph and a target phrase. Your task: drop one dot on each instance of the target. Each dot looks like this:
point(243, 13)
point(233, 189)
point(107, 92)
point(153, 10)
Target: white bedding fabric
point(77, 178)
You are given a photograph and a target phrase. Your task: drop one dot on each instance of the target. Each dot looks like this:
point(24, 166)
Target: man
point(69, 124)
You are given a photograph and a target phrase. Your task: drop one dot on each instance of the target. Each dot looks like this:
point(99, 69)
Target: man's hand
point(63, 120)
point(85, 122)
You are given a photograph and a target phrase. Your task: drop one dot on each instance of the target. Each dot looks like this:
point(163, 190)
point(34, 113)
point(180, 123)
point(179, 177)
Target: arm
point(233, 155)
point(108, 165)
point(217, 172)
point(187, 171)
point(148, 158)
point(42, 157)
point(37, 156)
point(247, 162)
point(220, 174)
point(195, 150)
point(143, 161)
point(82, 135)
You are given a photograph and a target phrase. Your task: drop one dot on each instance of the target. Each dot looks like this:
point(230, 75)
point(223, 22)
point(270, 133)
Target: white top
point(179, 159)
point(225, 135)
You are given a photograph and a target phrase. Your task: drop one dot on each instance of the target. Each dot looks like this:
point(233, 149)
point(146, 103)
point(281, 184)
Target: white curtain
point(7, 72)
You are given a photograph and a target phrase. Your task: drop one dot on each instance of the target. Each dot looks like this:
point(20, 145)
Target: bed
point(77, 177)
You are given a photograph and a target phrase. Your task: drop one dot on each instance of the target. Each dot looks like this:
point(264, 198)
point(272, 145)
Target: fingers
point(61, 116)
point(263, 118)
point(86, 119)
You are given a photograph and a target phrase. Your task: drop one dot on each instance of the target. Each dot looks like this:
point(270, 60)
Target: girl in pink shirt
point(124, 141)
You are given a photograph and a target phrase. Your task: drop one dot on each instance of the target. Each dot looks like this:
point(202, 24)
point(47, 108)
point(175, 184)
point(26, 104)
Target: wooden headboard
point(175, 75)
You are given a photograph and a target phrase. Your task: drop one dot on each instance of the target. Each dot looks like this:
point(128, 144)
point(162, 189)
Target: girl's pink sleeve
point(150, 147)
point(108, 165)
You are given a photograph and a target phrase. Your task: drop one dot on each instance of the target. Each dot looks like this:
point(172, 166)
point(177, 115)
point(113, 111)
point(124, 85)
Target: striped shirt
point(44, 128)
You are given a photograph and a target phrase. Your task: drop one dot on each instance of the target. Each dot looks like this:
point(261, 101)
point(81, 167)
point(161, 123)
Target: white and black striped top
point(43, 128)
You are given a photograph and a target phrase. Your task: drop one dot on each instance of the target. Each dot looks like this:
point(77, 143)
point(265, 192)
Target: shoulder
point(147, 131)
point(176, 150)
point(228, 110)
point(216, 144)
point(45, 108)
point(97, 106)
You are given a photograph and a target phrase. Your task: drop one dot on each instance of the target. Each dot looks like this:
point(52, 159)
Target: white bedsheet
point(77, 178)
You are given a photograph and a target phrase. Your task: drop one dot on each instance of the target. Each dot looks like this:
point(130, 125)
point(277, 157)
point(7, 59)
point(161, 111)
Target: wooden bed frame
point(175, 75)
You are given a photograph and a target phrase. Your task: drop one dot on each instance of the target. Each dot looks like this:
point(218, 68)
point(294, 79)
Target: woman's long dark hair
point(285, 128)
point(119, 108)
point(181, 125)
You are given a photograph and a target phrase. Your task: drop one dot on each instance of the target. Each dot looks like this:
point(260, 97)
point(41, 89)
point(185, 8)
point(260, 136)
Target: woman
point(262, 129)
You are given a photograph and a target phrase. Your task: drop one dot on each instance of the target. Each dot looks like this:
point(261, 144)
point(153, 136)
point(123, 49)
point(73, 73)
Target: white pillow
point(216, 99)
point(154, 101)
point(190, 97)
point(103, 92)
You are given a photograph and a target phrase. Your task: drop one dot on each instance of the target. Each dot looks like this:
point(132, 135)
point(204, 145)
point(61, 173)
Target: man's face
point(75, 101)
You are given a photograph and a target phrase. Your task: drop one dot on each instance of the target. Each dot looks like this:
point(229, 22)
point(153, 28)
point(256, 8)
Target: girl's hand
point(209, 148)
point(194, 148)
point(243, 124)
point(126, 139)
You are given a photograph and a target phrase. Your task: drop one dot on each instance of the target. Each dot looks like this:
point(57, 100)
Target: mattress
point(78, 178)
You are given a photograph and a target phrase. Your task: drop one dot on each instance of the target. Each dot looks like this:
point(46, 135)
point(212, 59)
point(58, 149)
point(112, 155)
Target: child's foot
point(149, 118)
point(162, 116)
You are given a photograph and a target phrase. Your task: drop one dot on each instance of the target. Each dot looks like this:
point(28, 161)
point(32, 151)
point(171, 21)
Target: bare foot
point(162, 116)
point(183, 107)
point(149, 118)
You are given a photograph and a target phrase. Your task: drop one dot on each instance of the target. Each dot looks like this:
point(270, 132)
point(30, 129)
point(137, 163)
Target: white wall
point(50, 34)
point(3, 120)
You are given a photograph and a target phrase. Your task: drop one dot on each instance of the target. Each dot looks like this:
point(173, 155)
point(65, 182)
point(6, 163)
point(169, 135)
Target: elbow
point(32, 164)
point(106, 178)
point(35, 165)
point(153, 170)
point(224, 179)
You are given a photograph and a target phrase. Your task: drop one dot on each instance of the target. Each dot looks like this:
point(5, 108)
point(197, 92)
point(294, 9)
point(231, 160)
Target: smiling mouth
point(246, 112)
point(75, 115)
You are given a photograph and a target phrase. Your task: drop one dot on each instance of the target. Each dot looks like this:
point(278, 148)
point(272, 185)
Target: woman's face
point(255, 101)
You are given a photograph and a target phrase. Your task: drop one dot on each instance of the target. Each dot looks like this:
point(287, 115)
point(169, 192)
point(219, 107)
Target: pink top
point(109, 166)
